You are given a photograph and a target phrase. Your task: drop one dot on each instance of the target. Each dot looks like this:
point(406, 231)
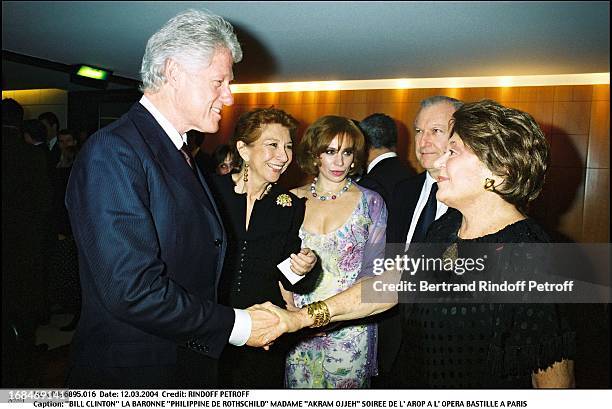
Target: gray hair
point(191, 37)
point(441, 99)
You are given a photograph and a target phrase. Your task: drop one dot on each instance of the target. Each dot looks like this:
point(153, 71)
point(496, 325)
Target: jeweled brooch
point(283, 200)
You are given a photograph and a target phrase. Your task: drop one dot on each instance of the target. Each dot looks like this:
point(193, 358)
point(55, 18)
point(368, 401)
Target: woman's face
point(461, 175)
point(336, 160)
point(270, 155)
point(226, 166)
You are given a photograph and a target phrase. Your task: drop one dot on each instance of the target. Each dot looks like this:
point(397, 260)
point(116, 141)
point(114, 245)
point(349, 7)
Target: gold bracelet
point(319, 312)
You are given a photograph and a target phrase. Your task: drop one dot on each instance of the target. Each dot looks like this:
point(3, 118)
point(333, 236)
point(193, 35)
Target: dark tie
point(187, 155)
point(428, 215)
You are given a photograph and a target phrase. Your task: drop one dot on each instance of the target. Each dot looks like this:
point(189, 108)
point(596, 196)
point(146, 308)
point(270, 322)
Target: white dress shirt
point(379, 158)
point(440, 209)
point(52, 142)
point(241, 330)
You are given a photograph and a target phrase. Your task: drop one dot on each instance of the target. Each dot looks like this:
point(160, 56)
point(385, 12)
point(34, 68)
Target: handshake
point(270, 322)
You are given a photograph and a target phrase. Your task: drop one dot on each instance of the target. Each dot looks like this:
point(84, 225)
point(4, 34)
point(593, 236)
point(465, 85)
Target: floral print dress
point(341, 357)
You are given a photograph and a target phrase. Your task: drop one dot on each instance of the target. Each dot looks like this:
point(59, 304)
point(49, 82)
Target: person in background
point(248, 200)
point(492, 167)
point(385, 169)
point(25, 200)
point(51, 123)
point(64, 284)
point(35, 133)
point(345, 225)
point(150, 239)
point(53, 152)
point(412, 209)
point(224, 160)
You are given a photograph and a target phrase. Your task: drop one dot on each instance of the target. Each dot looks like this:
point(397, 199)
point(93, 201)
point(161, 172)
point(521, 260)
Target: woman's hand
point(303, 262)
point(288, 298)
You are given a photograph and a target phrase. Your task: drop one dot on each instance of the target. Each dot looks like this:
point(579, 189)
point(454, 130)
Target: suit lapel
point(170, 159)
point(411, 199)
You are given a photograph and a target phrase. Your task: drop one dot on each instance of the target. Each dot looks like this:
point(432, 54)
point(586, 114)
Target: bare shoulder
point(301, 191)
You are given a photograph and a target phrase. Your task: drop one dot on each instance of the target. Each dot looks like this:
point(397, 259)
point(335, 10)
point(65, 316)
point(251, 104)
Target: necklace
point(332, 196)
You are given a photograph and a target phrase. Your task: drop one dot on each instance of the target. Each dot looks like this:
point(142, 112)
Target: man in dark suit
point(412, 208)
point(25, 201)
point(51, 123)
point(150, 239)
point(385, 170)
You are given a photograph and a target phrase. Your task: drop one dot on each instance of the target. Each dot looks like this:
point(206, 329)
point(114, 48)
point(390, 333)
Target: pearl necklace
point(332, 196)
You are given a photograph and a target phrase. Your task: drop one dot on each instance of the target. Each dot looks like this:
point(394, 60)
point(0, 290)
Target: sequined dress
point(343, 356)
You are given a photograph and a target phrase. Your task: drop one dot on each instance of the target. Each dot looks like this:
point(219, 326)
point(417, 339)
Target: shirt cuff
point(242, 328)
point(292, 277)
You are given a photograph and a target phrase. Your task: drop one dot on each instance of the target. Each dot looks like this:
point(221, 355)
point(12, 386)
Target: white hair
point(191, 37)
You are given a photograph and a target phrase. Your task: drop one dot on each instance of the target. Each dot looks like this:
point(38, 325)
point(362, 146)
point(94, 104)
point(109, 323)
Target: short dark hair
point(51, 119)
point(35, 129)
point(250, 126)
point(67, 131)
point(380, 130)
point(12, 112)
point(510, 143)
point(220, 153)
point(319, 135)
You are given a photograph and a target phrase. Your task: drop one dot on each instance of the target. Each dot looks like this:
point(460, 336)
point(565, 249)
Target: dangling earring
point(489, 185)
point(245, 177)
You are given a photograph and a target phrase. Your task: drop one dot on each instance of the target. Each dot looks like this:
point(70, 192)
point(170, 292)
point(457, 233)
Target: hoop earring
point(245, 177)
point(489, 185)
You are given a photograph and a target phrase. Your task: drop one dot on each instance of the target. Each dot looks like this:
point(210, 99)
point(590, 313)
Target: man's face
point(431, 128)
point(65, 141)
point(202, 92)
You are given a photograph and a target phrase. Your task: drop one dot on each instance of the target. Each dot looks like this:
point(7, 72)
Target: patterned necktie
point(187, 156)
point(427, 217)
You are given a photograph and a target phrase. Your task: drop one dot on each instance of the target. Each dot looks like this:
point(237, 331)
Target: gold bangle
point(319, 313)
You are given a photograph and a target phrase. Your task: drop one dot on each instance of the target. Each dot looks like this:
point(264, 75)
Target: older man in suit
point(412, 208)
point(150, 239)
point(385, 169)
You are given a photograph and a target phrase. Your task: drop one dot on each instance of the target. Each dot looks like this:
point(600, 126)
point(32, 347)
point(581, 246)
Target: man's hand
point(265, 325)
point(303, 262)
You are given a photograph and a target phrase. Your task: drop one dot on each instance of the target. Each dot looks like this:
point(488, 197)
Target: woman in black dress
point(493, 168)
point(262, 220)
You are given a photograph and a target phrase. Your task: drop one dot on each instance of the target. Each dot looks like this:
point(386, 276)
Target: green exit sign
point(91, 72)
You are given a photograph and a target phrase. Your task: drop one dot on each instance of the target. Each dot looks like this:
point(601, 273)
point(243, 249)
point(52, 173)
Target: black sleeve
point(293, 246)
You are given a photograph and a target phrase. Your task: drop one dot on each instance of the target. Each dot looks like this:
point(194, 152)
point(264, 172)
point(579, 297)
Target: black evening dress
point(250, 274)
point(463, 345)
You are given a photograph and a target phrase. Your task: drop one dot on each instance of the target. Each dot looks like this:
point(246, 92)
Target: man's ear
point(242, 150)
point(172, 72)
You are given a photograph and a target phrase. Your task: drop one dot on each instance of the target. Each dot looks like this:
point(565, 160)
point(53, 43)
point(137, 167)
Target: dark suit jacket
point(151, 248)
point(385, 176)
point(401, 208)
point(25, 205)
point(53, 156)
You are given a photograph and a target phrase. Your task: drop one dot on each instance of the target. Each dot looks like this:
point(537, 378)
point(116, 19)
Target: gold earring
point(245, 177)
point(489, 185)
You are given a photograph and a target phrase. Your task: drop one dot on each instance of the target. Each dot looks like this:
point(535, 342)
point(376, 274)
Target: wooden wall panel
point(575, 120)
point(572, 117)
point(599, 137)
point(601, 92)
point(597, 206)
